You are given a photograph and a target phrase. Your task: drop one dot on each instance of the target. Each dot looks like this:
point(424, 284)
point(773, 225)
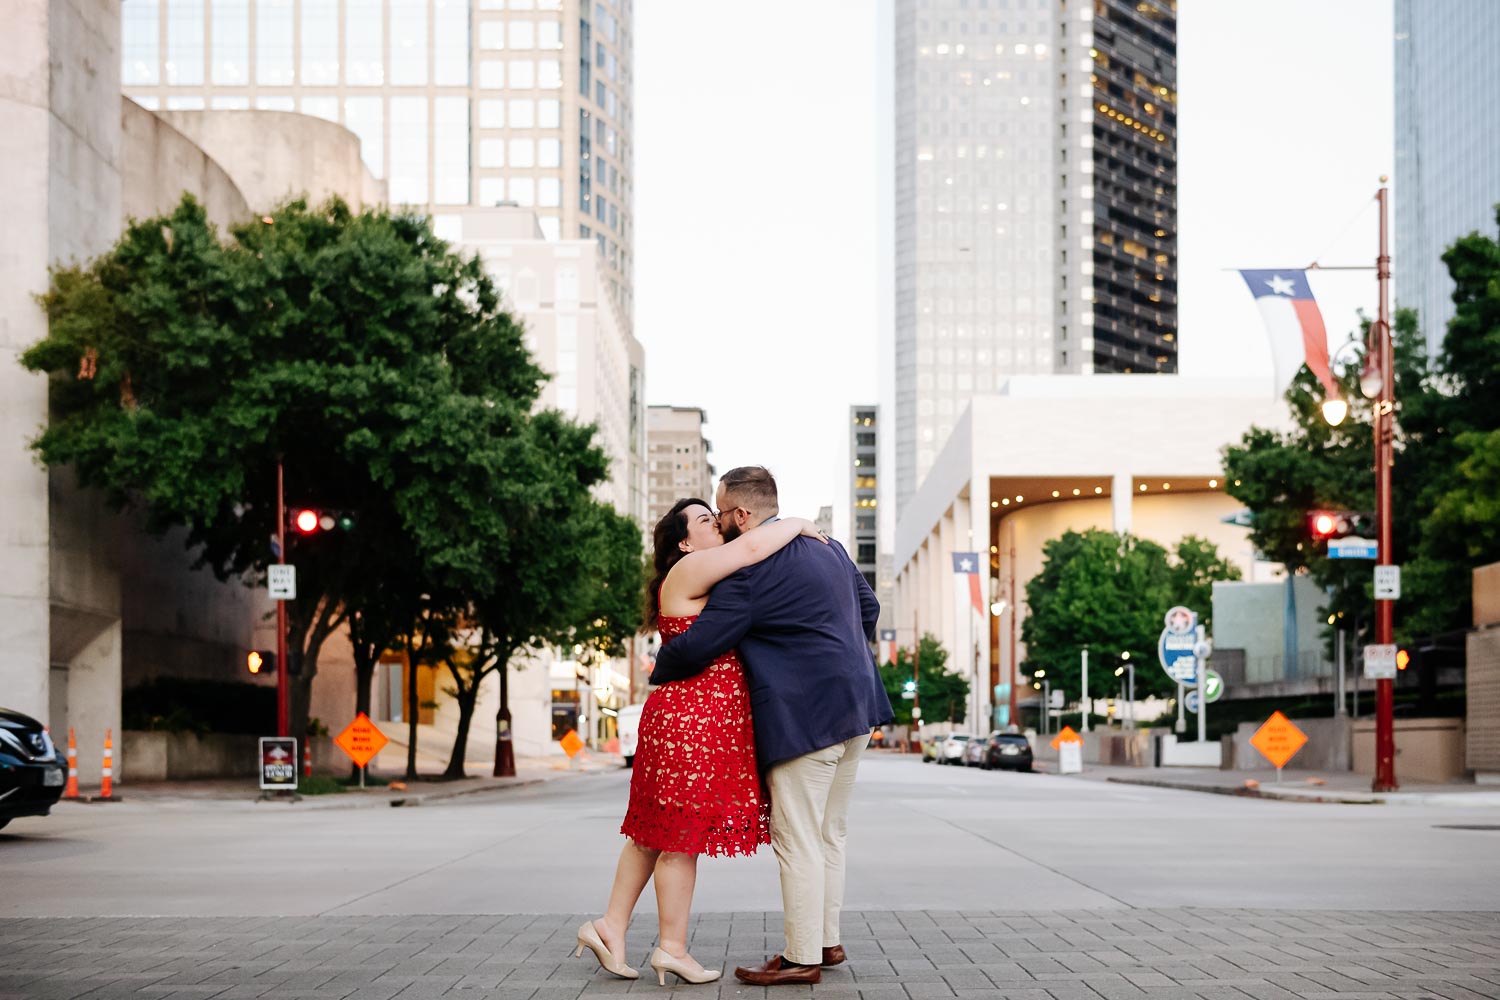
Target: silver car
point(951, 750)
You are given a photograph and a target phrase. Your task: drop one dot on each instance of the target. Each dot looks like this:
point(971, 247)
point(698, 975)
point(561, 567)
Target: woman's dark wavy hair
point(668, 534)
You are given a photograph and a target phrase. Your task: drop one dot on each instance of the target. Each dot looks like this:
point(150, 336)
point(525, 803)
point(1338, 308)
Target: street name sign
point(1176, 647)
point(282, 581)
point(1380, 662)
point(1387, 583)
point(278, 762)
point(1278, 740)
point(1353, 548)
point(361, 740)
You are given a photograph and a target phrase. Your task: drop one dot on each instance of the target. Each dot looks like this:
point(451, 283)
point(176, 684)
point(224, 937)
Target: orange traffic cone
point(307, 758)
point(71, 791)
point(107, 786)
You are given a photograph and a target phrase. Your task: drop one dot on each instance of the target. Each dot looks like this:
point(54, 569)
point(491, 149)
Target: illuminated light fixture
point(1143, 487)
point(1098, 489)
point(1006, 501)
point(1020, 499)
point(1332, 619)
point(1056, 494)
point(994, 503)
point(1213, 484)
point(1040, 673)
point(994, 550)
point(1075, 491)
point(1236, 482)
point(1334, 411)
point(1166, 486)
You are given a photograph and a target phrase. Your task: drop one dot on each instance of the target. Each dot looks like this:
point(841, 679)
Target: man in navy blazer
point(802, 620)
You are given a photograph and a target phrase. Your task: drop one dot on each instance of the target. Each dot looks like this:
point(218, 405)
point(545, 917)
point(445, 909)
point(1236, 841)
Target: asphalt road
point(923, 838)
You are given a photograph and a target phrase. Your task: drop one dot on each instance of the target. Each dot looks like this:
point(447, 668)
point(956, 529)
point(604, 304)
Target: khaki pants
point(809, 824)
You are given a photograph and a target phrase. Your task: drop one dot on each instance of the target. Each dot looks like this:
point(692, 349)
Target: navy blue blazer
point(802, 620)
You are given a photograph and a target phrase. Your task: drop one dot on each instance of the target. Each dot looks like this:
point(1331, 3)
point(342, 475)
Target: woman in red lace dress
point(695, 788)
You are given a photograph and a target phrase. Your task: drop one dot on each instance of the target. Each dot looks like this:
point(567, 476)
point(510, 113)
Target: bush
point(183, 705)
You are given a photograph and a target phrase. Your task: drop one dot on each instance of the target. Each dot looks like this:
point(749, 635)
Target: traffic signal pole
point(282, 724)
point(1385, 733)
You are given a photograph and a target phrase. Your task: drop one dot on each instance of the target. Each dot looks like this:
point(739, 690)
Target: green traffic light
point(346, 522)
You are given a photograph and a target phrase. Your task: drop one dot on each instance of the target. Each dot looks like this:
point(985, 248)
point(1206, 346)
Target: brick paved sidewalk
point(1088, 955)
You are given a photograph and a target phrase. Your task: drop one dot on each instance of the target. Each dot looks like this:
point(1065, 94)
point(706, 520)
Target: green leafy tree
point(942, 695)
point(353, 348)
point(1109, 592)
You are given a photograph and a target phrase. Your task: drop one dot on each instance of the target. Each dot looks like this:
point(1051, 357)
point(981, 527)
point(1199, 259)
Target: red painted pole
point(1015, 610)
point(1385, 730)
point(282, 724)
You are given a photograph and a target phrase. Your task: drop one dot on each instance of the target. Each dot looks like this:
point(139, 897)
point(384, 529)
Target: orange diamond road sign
point(571, 744)
point(1066, 736)
point(1279, 740)
point(361, 740)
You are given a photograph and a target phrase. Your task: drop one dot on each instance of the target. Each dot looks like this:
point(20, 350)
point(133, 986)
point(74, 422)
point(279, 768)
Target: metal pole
point(1046, 708)
point(1385, 732)
point(1015, 611)
point(1202, 694)
point(1131, 668)
point(1181, 726)
point(282, 708)
point(1087, 708)
point(1341, 708)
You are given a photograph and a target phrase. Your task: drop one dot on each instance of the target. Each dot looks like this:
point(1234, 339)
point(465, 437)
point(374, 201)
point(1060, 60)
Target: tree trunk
point(412, 712)
point(365, 657)
point(466, 701)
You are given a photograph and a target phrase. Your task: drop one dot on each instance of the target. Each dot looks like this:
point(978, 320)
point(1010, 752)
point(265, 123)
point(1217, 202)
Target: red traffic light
point(305, 521)
point(1323, 525)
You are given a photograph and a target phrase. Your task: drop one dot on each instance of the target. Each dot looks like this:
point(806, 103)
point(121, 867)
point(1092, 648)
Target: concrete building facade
point(1447, 145)
point(1035, 203)
point(680, 463)
point(864, 473)
point(457, 103)
point(1050, 454)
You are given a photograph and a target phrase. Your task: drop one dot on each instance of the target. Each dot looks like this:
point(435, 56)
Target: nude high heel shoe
point(588, 937)
point(664, 963)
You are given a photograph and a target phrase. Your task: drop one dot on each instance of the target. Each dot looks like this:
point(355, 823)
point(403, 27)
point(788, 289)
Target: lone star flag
point(1293, 324)
point(967, 564)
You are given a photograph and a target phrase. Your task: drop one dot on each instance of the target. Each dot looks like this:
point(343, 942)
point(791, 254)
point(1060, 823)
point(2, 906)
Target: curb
point(416, 800)
point(1331, 798)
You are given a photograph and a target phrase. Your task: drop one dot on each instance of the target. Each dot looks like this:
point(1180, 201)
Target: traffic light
point(910, 687)
point(1325, 524)
point(259, 660)
point(310, 521)
point(1402, 659)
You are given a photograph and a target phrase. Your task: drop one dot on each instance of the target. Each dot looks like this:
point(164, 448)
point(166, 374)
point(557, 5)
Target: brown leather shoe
point(775, 972)
point(834, 956)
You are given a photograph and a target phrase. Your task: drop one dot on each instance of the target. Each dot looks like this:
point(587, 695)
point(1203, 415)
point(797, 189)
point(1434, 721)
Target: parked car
point(1009, 751)
point(974, 752)
point(952, 749)
point(628, 727)
point(31, 775)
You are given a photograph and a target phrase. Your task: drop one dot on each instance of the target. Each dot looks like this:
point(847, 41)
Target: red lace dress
point(695, 788)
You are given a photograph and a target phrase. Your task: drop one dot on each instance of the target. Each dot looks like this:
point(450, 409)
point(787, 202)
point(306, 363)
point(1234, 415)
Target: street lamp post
point(1384, 421)
point(1084, 697)
point(1045, 686)
point(1128, 669)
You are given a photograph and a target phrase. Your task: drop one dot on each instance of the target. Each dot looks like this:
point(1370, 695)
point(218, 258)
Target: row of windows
point(295, 42)
point(520, 35)
point(520, 74)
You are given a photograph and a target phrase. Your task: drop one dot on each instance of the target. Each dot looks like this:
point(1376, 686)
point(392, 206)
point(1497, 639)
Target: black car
point(1010, 751)
point(31, 775)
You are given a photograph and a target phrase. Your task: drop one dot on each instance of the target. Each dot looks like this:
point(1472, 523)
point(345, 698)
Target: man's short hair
point(752, 487)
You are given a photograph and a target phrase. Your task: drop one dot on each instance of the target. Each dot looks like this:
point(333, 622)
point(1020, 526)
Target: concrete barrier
point(157, 756)
point(1428, 751)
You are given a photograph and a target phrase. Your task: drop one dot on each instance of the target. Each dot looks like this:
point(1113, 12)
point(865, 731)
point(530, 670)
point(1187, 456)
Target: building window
point(273, 43)
point(492, 35)
point(522, 113)
point(491, 154)
point(491, 113)
point(408, 42)
point(522, 153)
point(320, 43)
point(409, 156)
point(365, 28)
point(522, 34)
point(522, 74)
point(450, 43)
point(326, 108)
point(451, 150)
point(231, 45)
point(365, 117)
point(185, 31)
point(549, 113)
point(140, 42)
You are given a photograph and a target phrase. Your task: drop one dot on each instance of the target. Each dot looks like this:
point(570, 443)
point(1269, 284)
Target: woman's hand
point(809, 529)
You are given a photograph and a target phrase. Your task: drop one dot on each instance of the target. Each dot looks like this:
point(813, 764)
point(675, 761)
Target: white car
point(951, 750)
point(627, 726)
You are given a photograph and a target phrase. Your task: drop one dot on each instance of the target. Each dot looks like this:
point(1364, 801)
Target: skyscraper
point(456, 102)
point(1035, 206)
point(863, 480)
point(1447, 145)
point(678, 459)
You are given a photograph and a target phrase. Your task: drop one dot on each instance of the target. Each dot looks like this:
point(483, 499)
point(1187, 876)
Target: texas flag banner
point(967, 564)
point(888, 645)
point(1293, 323)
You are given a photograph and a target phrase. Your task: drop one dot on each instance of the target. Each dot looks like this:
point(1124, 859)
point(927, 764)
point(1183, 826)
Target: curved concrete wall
point(264, 150)
point(160, 163)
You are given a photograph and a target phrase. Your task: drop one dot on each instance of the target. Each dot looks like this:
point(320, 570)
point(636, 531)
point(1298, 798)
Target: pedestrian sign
point(361, 740)
point(1278, 740)
point(571, 744)
point(278, 762)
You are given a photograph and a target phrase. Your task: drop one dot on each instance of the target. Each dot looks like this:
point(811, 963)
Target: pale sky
point(757, 212)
